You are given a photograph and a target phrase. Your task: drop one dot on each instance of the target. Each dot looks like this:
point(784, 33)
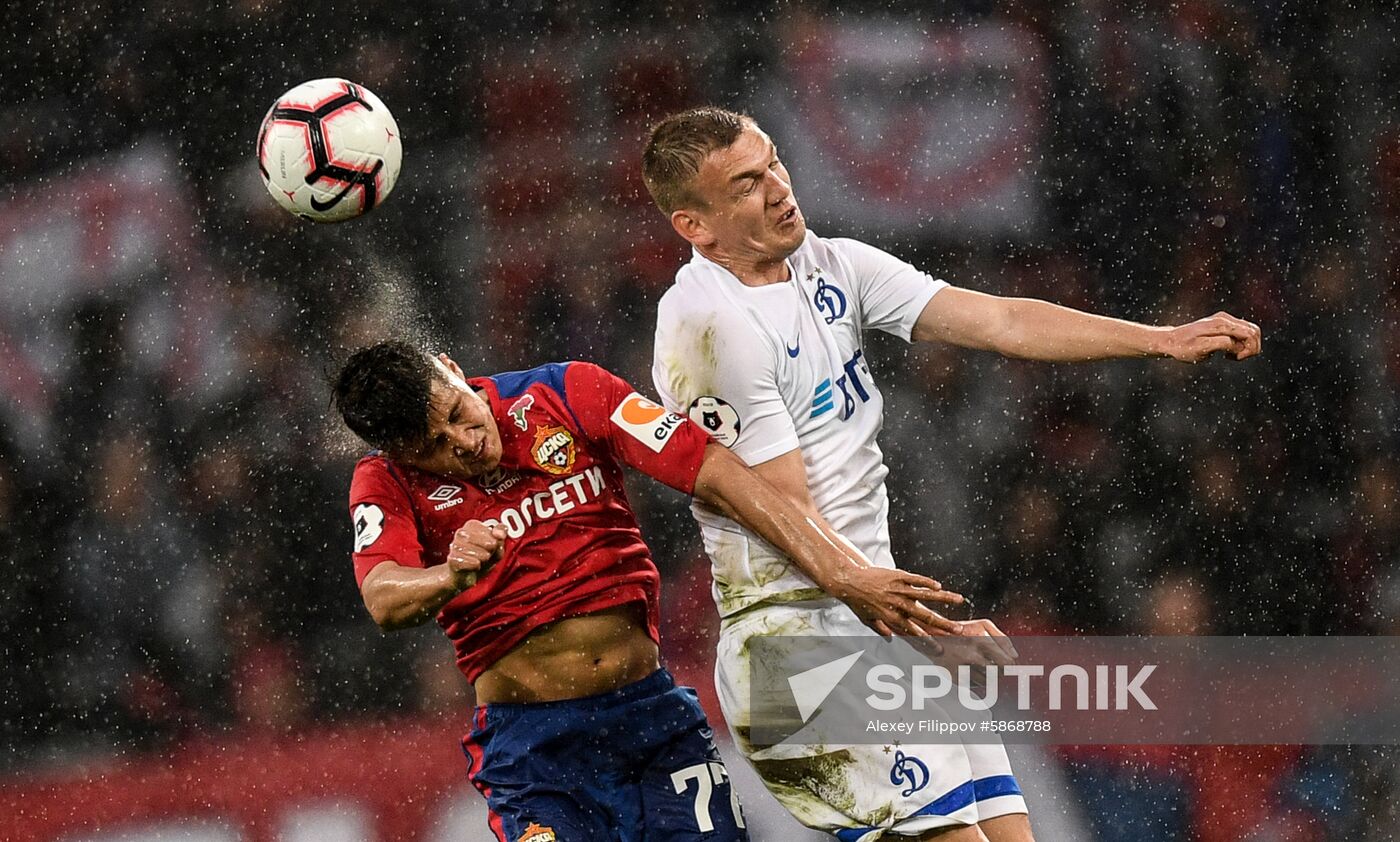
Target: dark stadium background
point(181, 633)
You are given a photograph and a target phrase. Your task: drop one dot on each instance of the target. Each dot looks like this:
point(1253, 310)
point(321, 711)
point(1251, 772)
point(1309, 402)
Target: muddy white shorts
point(858, 793)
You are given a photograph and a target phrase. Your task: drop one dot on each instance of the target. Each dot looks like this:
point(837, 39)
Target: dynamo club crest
point(908, 772)
point(830, 300)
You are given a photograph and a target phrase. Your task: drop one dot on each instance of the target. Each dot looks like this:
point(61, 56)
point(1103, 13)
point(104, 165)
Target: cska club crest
point(553, 450)
point(535, 833)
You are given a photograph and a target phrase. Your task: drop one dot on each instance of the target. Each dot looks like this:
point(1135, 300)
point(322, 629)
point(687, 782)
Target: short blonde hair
point(677, 147)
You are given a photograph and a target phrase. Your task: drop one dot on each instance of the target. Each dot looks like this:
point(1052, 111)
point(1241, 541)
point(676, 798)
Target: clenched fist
point(1221, 333)
point(473, 546)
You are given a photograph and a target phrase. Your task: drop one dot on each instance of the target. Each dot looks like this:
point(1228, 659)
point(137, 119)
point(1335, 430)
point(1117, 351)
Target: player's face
point(463, 440)
point(751, 213)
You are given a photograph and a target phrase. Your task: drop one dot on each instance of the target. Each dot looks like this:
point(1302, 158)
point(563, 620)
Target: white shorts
point(856, 792)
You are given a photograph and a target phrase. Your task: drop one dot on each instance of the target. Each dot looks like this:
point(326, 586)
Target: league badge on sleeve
point(369, 525)
point(717, 417)
point(646, 421)
point(553, 449)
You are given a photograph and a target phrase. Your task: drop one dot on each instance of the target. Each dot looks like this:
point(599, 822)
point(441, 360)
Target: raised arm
point(886, 599)
point(1038, 330)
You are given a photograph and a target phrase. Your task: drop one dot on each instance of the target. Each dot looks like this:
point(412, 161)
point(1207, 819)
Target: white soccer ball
point(329, 150)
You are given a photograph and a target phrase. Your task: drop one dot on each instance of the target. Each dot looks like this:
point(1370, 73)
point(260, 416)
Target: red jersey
point(572, 543)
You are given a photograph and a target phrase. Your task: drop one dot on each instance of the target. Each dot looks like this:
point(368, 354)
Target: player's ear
point(692, 228)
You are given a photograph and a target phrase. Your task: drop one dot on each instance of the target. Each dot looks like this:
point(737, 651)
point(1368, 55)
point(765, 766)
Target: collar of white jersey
point(697, 257)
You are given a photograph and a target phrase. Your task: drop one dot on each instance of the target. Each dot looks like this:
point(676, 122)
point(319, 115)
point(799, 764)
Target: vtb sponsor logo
point(851, 386)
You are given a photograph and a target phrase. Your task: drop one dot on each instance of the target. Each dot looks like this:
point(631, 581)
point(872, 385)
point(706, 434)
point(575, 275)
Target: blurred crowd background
point(172, 488)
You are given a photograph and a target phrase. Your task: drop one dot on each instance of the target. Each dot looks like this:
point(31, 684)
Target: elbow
point(1003, 329)
point(383, 616)
point(384, 621)
point(391, 621)
point(1006, 336)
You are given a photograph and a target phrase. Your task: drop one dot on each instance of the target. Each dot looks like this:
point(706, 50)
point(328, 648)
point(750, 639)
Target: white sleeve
point(891, 293)
point(704, 353)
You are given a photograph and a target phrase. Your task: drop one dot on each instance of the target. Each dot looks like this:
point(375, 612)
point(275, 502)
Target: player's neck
point(750, 271)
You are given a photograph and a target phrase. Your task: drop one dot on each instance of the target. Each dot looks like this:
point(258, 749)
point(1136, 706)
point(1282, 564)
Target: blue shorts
point(638, 764)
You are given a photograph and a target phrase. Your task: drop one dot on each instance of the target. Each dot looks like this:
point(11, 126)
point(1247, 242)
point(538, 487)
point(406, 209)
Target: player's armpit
point(785, 474)
point(886, 599)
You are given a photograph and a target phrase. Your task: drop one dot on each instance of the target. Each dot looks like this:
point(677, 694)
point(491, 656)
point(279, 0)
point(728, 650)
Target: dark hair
point(383, 392)
point(677, 147)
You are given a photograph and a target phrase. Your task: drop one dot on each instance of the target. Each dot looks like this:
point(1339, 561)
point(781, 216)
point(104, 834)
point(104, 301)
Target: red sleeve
point(639, 431)
point(381, 514)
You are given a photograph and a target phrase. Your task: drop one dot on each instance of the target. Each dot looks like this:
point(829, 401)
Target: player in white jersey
point(760, 341)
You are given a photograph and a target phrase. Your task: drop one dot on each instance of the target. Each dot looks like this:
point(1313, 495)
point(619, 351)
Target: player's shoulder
point(698, 287)
point(376, 475)
point(701, 307)
point(552, 390)
point(829, 252)
point(560, 389)
point(513, 384)
point(373, 463)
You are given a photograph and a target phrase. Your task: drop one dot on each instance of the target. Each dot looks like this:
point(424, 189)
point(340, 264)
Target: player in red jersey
point(578, 733)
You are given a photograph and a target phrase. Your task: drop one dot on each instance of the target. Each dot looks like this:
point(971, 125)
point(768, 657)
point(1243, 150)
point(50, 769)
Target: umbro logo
point(795, 349)
point(443, 493)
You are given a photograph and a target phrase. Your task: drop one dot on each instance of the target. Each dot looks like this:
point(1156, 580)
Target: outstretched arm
point(887, 600)
point(1038, 330)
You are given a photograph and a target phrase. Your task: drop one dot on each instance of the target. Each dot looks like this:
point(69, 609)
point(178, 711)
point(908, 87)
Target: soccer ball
point(329, 150)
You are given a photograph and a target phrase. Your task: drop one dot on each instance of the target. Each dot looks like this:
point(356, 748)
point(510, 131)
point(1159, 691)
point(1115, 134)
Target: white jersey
point(771, 368)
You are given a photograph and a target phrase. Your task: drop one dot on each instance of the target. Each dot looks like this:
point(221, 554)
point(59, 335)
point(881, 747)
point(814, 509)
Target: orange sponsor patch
point(638, 410)
point(646, 421)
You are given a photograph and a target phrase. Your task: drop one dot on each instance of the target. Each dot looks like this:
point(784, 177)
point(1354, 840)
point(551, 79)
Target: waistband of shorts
point(653, 685)
point(760, 608)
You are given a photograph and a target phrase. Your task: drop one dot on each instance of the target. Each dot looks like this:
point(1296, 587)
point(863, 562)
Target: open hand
point(978, 644)
point(1221, 333)
point(992, 645)
point(890, 600)
point(473, 546)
